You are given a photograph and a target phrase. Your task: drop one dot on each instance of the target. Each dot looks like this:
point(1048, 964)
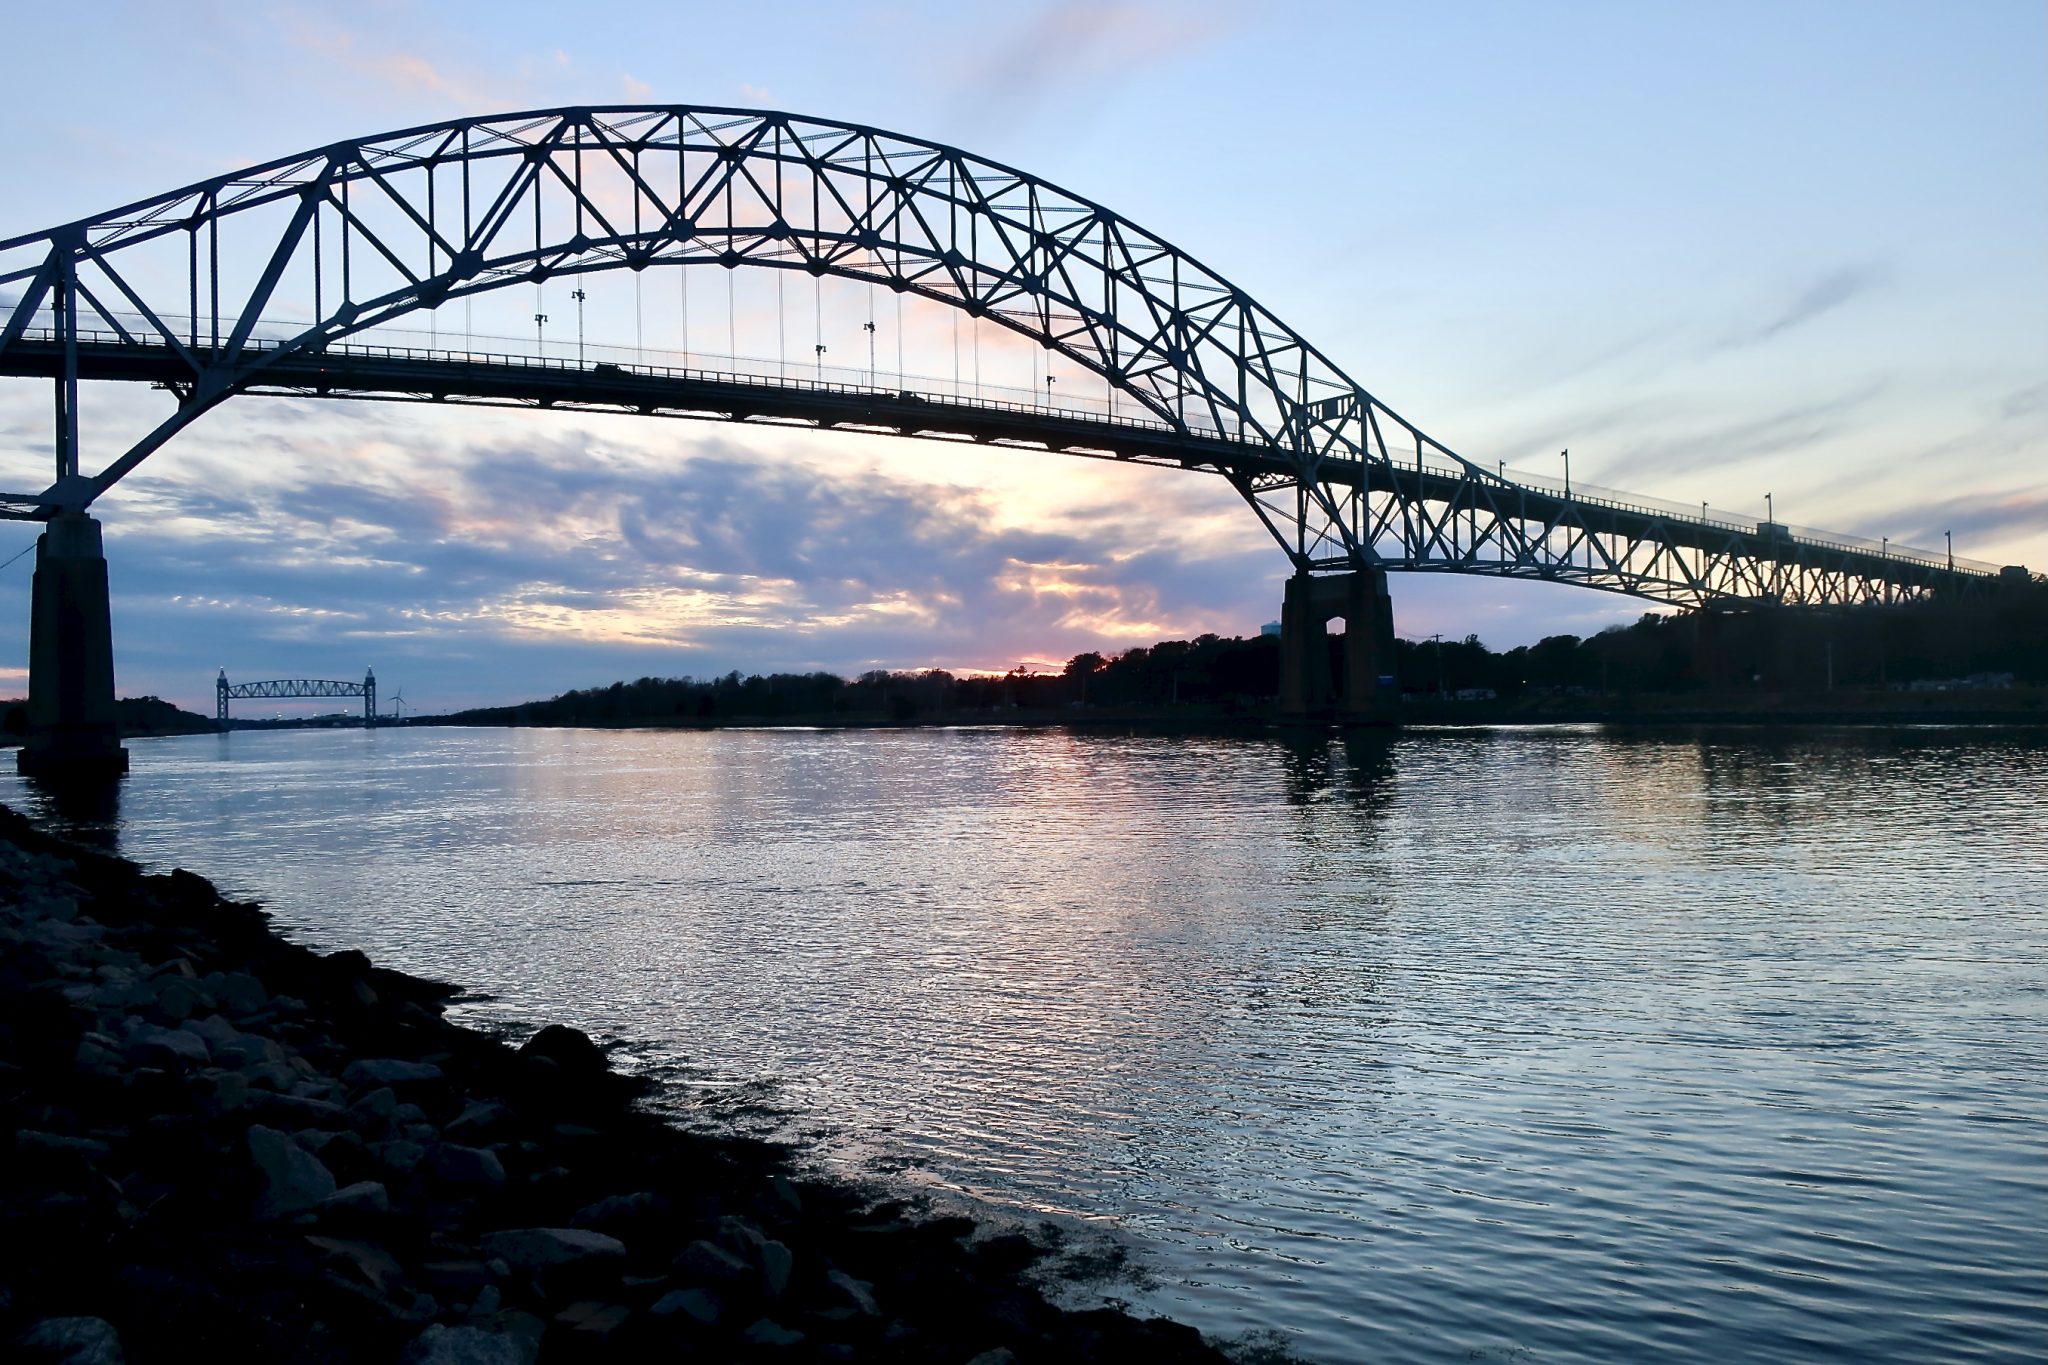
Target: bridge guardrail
point(1440, 465)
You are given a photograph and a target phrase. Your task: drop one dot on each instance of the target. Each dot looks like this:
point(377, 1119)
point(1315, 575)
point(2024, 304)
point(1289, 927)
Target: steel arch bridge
point(262, 282)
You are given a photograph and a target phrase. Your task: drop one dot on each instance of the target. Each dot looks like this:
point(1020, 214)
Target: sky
point(1718, 251)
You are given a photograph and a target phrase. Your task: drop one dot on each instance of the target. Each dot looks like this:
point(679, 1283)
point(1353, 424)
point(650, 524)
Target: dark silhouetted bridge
point(280, 280)
point(295, 689)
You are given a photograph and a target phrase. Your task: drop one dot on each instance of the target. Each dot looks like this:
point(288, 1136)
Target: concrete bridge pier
point(1371, 691)
point(74, 731)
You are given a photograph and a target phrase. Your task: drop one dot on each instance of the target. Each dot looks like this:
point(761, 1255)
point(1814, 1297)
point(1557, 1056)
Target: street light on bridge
point(820, 349)
point(579, 297)
point(1048, 389)
point(1566, 455)
point(540, 320)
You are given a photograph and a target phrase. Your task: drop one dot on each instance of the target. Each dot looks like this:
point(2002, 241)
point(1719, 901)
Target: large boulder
point(442, 1345)
point(567, 1049)
point(541, 1251)
point(70, 1341)
point(292, 1178)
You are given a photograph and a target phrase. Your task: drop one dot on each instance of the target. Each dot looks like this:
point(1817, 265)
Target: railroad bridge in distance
point(296, 689)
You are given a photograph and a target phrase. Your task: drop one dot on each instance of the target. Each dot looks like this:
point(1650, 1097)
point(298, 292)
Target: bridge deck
point(394, 373)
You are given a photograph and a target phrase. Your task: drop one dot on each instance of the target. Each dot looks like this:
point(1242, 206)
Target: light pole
point(1950, 536)
point(579, 297)
point(1566, 456)
point(820, 349)
point(540, 321)
point(1770, 511)
point(1048, 391)
point(869, 328)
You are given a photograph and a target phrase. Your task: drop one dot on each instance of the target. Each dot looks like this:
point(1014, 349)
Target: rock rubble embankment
point(225, 1147)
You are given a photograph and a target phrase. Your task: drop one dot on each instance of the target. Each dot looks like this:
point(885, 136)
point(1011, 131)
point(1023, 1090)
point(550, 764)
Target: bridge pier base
point(74, 729)
point(1361, 600)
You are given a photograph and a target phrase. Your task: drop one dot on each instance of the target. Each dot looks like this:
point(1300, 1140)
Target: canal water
point(1510, 1045)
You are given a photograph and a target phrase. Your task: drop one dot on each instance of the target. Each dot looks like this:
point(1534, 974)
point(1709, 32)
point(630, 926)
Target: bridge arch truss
point(263, 281)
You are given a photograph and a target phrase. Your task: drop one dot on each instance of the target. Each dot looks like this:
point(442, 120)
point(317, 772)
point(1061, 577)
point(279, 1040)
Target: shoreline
point(1417, 715)
point(229, 1146)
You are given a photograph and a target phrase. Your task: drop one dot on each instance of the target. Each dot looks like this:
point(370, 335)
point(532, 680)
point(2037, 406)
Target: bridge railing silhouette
point(769, 373)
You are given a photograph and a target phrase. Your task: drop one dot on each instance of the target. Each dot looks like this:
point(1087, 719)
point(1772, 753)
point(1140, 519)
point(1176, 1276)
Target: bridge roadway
point(1468, 492)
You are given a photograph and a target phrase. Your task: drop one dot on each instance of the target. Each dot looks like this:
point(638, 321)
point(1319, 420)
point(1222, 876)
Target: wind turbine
point(398, 704)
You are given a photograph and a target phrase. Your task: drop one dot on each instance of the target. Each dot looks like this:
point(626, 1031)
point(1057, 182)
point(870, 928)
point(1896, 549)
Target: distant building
point(1270, 628)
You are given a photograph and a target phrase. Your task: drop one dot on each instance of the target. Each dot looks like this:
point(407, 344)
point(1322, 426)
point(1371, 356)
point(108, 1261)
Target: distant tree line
point(1775, 650)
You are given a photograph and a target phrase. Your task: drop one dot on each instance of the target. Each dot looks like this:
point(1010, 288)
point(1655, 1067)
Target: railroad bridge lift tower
point(297, 689)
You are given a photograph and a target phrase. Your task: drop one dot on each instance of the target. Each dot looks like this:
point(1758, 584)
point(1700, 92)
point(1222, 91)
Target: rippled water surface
point(1510, 1045)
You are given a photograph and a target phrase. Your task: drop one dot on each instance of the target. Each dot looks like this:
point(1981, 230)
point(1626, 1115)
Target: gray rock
point(400, 1157)
point(300, 1111)
point(700, 1306)
point(293, 1180)
point(158, 1046)
point(768, 1332)
point(859, 1293)
point(444, 1345)
point(454, 1164)
point(177, 998)
point(543, 1249)
point(71, 1341)
point(31, 1140)
point(777, 1261)
point(593, 1321)
point(253, 1051)
point(478, 1118)
point(710, 1263)
point(99, 1054)
point(1000, 1355)
point(617, 1209)
point(365, 1197)
point(217, 1031)
point(488, 1300)
point(241, 994)
point(271, 1075)
point(223, 1092)
point(376, 1112)
point(378, 1071)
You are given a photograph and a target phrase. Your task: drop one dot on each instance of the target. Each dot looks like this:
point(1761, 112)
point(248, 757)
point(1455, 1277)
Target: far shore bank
point(2017, 706)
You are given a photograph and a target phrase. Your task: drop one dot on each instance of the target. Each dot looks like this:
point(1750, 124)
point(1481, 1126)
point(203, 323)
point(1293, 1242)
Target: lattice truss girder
point(361, 233)
point(223, 275)
point(1476, 522)
point(295, 687)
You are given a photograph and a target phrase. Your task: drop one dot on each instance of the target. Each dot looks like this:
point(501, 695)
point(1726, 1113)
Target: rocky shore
point(221, 1146)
